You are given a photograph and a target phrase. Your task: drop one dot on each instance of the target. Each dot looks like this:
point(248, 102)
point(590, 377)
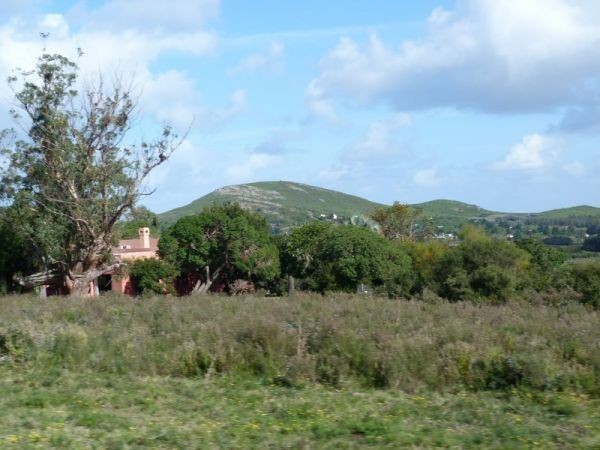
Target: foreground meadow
point(304, 372)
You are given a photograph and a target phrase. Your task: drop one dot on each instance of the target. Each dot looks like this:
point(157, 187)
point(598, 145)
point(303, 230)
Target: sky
point(490, 102)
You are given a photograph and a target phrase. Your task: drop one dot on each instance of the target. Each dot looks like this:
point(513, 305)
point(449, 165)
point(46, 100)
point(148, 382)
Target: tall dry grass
point(335, 340)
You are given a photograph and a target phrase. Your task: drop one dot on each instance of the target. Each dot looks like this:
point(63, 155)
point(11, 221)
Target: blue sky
point(492, 102)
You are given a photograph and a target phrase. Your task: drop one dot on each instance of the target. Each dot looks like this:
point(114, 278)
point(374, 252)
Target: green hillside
point(284, 204)
point(566, 213)
point(452, 214)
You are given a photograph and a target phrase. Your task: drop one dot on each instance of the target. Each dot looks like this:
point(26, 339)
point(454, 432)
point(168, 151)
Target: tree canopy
point(332, 257)
point(73, 175)
point(219, 246)
point(480, 266)
point(398, 222)
point(592, 244)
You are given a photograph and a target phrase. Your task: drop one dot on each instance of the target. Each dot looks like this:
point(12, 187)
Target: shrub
point(585, 279)
point(343, 340)
point(546, 270)
point(558, 240)
point(480, 266)
point(592, 244)
point(153, 276)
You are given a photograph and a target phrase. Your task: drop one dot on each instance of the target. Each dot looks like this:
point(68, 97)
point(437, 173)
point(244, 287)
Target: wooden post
point(290, 285)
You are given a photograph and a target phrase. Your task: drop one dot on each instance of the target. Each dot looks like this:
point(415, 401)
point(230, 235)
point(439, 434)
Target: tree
point(480, 267)
point(74, 174)
point(592, 244)
point(16, 254)
point(398, 222)
point(585, 279)
point(222, 244)
point(330, 257)
point(300, 250)
point(153, 276)
point(425, 257)
point(546, 266)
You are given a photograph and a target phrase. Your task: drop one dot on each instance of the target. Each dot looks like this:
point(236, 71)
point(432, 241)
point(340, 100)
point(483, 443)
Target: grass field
point(305, 372)
point(64, 409)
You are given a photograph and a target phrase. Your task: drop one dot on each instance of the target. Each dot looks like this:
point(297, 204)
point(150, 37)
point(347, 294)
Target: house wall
point(122, 285)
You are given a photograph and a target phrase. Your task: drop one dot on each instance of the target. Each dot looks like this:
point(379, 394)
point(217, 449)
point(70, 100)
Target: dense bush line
point(331, 340)
point(228, 249)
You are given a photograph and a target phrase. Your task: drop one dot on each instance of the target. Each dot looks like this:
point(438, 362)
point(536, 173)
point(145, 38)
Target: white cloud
point(381, 139)
point(427, 178)
point(248, 169)
point(56, 25)
point(173, 98)
point(534, 152)
point(488, 55)
point(319, 104)
point(270, 59)
point(575, 168)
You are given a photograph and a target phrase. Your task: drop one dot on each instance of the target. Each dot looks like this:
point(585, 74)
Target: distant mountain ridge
point(286, 204)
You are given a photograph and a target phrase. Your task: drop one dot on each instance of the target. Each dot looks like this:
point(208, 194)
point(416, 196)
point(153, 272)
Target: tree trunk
point(77, 281)
point(38, 279)
point(79, 287)
point(78, 284)
point(204, 287)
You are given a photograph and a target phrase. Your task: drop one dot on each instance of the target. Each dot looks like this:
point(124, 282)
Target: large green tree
point(330, 257)
point(220, 246)
point(74, 173)
point(17, 255)
point(480, 266)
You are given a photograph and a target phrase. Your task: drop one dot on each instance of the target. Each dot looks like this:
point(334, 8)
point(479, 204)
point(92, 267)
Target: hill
point(284, 204)
point(567, 213)
point(451, 214)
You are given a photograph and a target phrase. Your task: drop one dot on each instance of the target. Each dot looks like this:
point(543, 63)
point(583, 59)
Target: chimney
point(144, 234)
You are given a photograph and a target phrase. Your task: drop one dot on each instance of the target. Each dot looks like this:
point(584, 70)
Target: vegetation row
point(305, 340)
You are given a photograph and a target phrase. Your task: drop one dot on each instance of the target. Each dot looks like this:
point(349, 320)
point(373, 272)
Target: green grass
point(566, 213)
point(63, 409)
point(301, 372)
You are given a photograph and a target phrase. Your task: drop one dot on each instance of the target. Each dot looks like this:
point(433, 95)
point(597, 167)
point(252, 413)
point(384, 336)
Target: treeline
point(227, 249)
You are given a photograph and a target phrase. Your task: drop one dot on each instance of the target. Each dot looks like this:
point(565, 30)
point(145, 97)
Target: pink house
point(144, 246)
